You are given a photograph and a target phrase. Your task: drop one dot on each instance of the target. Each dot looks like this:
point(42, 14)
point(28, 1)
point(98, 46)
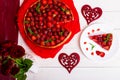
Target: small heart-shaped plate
point(91, 14)
point(69, 62)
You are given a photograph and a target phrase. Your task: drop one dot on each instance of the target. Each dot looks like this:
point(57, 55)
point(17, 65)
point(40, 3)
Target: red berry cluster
point(9, 51)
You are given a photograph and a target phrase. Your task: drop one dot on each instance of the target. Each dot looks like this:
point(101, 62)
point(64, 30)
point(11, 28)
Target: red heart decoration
point(69, 62)
point(91, 14)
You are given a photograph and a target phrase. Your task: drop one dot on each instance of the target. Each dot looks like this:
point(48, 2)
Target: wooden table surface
point(50, 69)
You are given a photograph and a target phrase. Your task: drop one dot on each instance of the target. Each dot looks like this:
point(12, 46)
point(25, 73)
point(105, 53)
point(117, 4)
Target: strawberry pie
point(44, 23)
point(104, 40)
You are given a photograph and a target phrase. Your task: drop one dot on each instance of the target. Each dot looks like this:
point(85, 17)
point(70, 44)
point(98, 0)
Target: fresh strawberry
point(49, 18)
point(44, 2)
point(62, 38)
point(50, 2)
point(58, 41)
point(92, 53)
point(53, 37)
point(42, 43)
point(100, 53)
point(106, 47)
point(42, 7)
point(58, 25)
point(52, 43)
point(68, 12)
point(34, 38)
point(49, 24)
point(40, 18)
point(49, 13)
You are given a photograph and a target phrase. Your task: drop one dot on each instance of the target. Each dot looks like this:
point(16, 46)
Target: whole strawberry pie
point(44, 23)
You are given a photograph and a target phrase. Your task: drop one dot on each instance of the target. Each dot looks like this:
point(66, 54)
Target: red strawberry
point(44, 2)
point(33, 38)
point(40, 18)
point(42, 43)
point(106, 47)
point(49, 24)
point(49, 18)
point(100, 53)
point(62, 38)
point(52, 43)
point(50, 2)
point(58, 25)
point(49, 13)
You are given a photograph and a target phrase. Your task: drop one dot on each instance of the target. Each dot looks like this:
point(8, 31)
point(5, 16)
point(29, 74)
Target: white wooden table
point(50, 69)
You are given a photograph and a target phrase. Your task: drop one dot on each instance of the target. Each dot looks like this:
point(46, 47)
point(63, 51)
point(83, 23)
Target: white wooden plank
point(106, 5)
point(76, 74)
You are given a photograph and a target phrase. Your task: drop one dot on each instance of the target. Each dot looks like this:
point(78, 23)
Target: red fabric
point(45, 52)
point(8, 28)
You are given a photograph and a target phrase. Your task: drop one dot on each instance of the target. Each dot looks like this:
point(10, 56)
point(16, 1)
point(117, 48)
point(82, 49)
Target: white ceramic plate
point(85, 42)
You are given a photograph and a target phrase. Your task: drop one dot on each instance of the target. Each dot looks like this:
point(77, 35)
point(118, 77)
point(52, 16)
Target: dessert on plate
point(104, 40)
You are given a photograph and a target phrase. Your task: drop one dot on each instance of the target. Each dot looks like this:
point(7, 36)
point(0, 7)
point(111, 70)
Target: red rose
point(15, 70)
point(7, 66)
point(17, 51)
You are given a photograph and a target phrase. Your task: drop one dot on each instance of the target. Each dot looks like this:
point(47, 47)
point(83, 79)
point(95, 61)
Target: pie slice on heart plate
point(45, 21)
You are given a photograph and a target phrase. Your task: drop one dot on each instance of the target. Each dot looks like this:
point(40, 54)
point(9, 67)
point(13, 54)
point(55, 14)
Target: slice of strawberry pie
point(44, 23)
point(104, 40)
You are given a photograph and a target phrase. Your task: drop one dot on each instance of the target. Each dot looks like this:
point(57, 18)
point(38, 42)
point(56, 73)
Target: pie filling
point(104, 40)
point(44, 23)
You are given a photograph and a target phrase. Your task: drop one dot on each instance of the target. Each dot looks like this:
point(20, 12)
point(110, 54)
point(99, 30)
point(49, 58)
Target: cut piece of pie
point(104, 40)
point(44, 23)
